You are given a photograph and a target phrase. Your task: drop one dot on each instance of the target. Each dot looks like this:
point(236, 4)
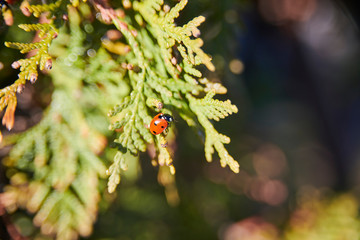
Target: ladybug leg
point(166, 131)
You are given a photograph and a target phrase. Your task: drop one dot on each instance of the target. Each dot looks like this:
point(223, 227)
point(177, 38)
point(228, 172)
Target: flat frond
point(28, 67)
point(71, 175)
point(37, 10)
point(213, 108)
point(163, 73)
point(208, 108)
point(149, 67)
point(114, 171)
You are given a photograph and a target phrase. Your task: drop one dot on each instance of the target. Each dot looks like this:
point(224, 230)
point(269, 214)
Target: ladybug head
point(3, 3)
point(168, 118)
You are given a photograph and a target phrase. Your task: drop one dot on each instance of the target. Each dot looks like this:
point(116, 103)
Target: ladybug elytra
point(160, 122)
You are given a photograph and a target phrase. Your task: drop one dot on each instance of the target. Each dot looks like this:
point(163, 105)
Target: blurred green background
point(292, 68)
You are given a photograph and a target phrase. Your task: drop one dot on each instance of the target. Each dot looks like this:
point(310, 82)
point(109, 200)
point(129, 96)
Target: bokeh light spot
point(281, 11)
point(236, 66)
point(269, 161)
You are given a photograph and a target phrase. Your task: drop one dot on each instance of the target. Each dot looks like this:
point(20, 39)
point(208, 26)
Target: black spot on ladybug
point(162, 126)
point(155, 123)
point(154, 132)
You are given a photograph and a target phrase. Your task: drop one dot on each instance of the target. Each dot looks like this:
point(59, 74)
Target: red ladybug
point(160, 122)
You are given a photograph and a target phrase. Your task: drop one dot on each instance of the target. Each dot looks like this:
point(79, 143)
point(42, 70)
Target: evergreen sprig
point(208, 108)
point(114, 171)
point(57, 159)
point(165, 79)
point(40, 58)
point(172, 38)
point(64, 188)
point(37, 10)
point(149, 68)
point(28, 67)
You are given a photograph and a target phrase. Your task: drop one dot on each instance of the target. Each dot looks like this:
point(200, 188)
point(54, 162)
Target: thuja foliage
point(118, 64)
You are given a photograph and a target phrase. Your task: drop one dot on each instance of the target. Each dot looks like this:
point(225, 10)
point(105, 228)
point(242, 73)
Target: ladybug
point(160, 123)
